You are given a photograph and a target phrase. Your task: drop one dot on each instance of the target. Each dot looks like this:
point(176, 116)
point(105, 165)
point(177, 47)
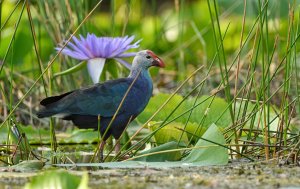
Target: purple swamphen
point(83, 106)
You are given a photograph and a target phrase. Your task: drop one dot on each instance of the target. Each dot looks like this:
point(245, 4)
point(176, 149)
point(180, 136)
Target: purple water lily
point(95, 50)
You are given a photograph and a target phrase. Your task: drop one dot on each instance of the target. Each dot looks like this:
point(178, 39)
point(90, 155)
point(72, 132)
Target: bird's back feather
point(101, 99)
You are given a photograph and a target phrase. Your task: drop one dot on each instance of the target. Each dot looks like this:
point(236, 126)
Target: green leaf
point(35, 135)
point(155, 103)
point(28, 166)
point(212, 113)
point(133, 127)
point(38, 136)
point(208, 111)
point(194, 131)
point(209, 153)
point(170, 132)
point(82, 136)
point(167, 156)
point(57, 180)
point(71, 70)
point(204, 154)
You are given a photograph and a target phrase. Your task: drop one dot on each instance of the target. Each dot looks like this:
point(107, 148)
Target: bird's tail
point(45, 113)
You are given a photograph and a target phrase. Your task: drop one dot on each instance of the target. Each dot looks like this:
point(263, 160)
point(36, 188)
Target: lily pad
point(170, 132)
point(214, 153)
point(210, 110)
point(157, 157)
point(28, 166)
point(58, 179)
point(82, 136)
point(155, 103)
point(207, 111)
point(204, 154)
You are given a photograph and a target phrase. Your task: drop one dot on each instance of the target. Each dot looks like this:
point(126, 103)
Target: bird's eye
point(148, 57)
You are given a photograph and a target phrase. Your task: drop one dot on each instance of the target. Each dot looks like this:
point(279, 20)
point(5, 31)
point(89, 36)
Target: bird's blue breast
point(134, 103)
point(139, 95)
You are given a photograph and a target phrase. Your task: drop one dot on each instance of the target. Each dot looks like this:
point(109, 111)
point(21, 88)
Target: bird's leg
point(101, 148)
point(117, 147)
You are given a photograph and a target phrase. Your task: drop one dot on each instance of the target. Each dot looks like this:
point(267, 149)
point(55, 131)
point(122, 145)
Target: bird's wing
point(53, 99)
point(101, 99)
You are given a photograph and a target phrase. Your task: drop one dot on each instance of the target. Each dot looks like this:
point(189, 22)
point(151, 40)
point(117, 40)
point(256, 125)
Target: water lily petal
point(95, 46)
point(73, 54)
point(128, 40)
point(95, 68)
point(124, 55)
point(72, 47)
point(81, 46)
point(97, 49)
point(123, 62)
point(102, 47)
point(136, 44)
point(122, 47)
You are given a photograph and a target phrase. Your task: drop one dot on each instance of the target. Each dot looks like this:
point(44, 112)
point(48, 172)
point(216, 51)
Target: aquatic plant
point(96, 50)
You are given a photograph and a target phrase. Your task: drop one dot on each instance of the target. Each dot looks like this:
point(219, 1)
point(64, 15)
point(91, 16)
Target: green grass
point(244, 52)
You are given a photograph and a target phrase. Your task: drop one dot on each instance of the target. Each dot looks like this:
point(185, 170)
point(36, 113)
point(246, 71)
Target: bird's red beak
point(157, 61)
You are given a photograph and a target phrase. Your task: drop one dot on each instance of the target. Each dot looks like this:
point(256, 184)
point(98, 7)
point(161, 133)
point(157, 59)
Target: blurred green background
point(178, 30)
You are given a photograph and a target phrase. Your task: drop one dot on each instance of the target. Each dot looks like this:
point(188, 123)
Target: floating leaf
point(214, 154)
point(210, 110)
point(194, 131)
point(39, 136)
point(155, 103)
point(206, 112)
point(28, 166)
point(133, 127)
point(57, 180)
point(34, 135)
point(82, 136)
point(204, 154)
point(170, 132)
point(167, 156)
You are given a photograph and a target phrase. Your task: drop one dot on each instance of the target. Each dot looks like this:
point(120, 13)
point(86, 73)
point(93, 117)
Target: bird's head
point(145, 59)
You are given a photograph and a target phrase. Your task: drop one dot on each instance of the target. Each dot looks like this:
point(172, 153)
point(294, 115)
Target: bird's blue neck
point(142, 73)
point(144, 80)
